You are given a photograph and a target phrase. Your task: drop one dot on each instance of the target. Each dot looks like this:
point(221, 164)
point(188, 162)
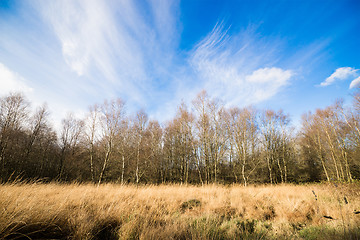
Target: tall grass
point(74, 211)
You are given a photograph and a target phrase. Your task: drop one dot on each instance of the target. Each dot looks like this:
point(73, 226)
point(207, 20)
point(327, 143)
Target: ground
point(111, 211)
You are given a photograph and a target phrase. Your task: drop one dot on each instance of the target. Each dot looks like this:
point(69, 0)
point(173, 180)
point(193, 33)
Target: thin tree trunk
point(92, 164)
point(198, 167)
point(123, 169)
point(232, 163)
point(187, 170)
point(137, 164)
point(280, 169)
point(270, 169)
point(284, 160)
point(107, 156)
point(244, 161)
point(215, 168)
point(348, 172)
point(332, 154)
point(344, 155)
point(62, 161)
point(243, 174)
point(321, 158)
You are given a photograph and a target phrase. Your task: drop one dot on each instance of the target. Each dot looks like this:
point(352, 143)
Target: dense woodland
point(204, 143)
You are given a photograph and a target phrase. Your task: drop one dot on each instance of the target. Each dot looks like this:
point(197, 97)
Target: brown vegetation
point(73, 211)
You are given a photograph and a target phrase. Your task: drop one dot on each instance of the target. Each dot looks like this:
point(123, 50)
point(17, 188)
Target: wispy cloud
point(240, 68)
point(12, 82)
point(124, 44)
point(342, 73)
point(91, 50)
point(93, 43)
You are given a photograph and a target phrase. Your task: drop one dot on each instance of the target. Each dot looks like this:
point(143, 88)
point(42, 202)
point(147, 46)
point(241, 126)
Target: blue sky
point(293, 55)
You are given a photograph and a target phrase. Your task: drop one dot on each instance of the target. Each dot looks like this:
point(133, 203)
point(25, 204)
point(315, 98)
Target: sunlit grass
point(178, 212)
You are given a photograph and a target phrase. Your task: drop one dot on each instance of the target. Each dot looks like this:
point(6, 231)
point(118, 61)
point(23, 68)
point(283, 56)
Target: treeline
point(204, 143)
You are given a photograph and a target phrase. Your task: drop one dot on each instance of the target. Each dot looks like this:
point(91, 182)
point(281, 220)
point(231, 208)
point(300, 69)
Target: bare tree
point(274, 141)
point(243, 136)
point(154, 150)
point(200, 105)
point(37, 124)
point(140, 123)
point(13, 115)
point(111, 118)
point(123, 145)
point(91, 136)
point(72, 129)
point(285, 145)
point(219, 136)
point(186, 124)
point(179, 145)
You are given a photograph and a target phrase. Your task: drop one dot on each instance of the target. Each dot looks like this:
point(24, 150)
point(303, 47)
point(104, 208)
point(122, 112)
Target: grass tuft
point(75, 211)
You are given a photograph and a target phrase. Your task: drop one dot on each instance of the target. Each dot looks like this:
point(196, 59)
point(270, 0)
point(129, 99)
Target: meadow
point(111, 211)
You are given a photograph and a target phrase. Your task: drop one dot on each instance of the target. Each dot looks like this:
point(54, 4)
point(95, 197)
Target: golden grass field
point(84, 211)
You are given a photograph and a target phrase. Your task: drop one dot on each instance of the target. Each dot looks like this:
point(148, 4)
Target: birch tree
point(112, 114)
point(179, 145)
point(91, 136)
point(274, 141)
point(243, 137)
point(139, 128)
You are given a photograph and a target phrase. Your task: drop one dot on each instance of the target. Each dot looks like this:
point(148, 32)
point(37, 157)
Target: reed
point(85, 211)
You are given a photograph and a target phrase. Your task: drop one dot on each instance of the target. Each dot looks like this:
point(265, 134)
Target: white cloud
point(355, 83)
point(270, 75)
point(232, 68)
point(342, 73)
point(269, 80)
point(12, 82)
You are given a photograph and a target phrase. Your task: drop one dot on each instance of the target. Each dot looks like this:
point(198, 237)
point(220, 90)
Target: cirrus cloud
point(233, 68)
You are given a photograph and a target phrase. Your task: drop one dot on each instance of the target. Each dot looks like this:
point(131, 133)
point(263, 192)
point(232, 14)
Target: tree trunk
point(137, 164)
point(62, 162)
point(123, 169)
point(92, 164)
point(107, 157)
point(321, 158)
point(270, 169)
point(244, 161)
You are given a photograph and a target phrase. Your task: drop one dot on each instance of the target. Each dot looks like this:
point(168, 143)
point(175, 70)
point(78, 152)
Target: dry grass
point(54, 211)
